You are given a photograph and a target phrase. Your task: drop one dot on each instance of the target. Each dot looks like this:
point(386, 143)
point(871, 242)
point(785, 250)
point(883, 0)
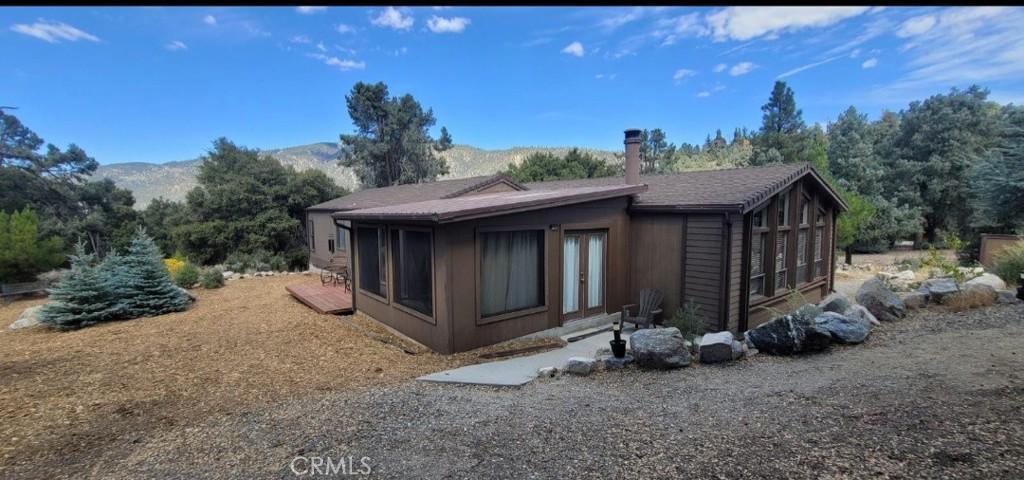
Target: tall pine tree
point(142, 281)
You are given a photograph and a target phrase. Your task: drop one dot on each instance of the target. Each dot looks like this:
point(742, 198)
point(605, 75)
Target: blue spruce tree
point(84, 295)
point(142, 283)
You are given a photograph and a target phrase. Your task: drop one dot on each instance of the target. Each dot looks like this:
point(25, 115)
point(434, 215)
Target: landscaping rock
point(789, 334)
point(982, 292)
point(739, 349)
point(915, 300)
point(547, 372)
point(28, 318)
point(602, 352)
point(880, 301)
point(1007, 297)
point(988, 279)
point(227, 274)
point(659, 348)
point(937, 288)
point(716, 347)
point(808, 311)
point(611, 363)
point(579, 366)
point(836, 302)
point(844, 329)
point(858, 311)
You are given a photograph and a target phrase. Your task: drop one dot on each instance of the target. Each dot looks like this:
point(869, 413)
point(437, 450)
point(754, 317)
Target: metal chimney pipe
point(632, 156)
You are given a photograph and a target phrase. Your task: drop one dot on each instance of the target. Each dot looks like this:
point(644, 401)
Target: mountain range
point(172, 180)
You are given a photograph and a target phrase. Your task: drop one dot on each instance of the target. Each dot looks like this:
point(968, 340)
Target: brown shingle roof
point(489, 204)
point(728, 189)
point(412, 192)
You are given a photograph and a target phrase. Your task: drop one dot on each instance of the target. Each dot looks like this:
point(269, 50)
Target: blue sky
point(159, 84)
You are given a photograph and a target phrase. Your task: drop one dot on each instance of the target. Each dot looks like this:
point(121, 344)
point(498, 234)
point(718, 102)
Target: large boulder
point(836, 302)
point(915, 300)
point(28, 318)
point(1007, 297)
point(988, 279)
point(982, 292)
point(789, 334)
point(716, 347)
point(880, 301)
point(579, 365)
point(938, 288)
point(844, 329)
point(659, 348)
point(858, 311)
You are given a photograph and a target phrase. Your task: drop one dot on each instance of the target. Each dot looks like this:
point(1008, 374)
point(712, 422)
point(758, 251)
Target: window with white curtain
point(571, 272)
point(595, 270)
point(511, 271)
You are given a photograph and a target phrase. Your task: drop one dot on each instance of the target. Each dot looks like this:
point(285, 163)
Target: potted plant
point(617, 343)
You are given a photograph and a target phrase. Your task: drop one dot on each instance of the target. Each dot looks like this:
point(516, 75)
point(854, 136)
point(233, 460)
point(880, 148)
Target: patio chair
point(336, 272)
point(649, 309)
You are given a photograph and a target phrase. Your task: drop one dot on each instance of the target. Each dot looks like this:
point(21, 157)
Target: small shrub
point(211, 278)
point(187, 275)
point(688, 320)
point(277, 263)
point(908, 263)
point(173, 265)
point(1009, 263)
point(966, 300)
point(239, 262)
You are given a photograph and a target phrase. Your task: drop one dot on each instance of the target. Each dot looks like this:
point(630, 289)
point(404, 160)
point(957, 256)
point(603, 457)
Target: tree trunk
point(849, 256)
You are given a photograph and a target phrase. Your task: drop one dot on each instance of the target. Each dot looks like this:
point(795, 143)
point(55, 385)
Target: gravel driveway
point(935, 395)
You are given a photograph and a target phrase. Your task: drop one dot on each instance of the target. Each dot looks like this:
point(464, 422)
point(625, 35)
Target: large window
point(411, 255)
point(782, 243)
point(802, 272)
point(820, 243)
point(758, 249)
point(511, 271)
point(372, 260)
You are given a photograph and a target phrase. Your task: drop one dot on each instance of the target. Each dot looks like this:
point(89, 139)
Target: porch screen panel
point(595, 271)
point(571, 274)
point(511, 271)
point(411, 251)
point(371, 244)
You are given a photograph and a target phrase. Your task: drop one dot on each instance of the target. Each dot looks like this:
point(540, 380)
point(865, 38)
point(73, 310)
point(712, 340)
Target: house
point(460, 264)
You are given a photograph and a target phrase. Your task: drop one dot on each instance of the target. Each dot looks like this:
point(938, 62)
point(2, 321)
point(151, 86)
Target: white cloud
point(343, 65)
point(720, 67)
point(671, 29)
point(681, 74)
point(53, 32)
point(809, 66)
point(869, 63)
point(916, 26)
point(741, 68)
point(745, 23)
point(615, 21)
point(343, 28)
point(393, 18)
point(320, 46)
point(574, 48)
point(401, 51)
point(599, 76)
point(176, 45)
point(447, 25)
point(210, 20)
point(310, 10)
point(703, 94)
point(300, 39)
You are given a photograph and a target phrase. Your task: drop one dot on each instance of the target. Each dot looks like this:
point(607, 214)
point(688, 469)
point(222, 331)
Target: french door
point(584, 262)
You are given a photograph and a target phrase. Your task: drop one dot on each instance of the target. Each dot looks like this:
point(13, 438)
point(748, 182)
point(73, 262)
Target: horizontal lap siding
point(703, 266)
point(735, 272)
point(656, 257)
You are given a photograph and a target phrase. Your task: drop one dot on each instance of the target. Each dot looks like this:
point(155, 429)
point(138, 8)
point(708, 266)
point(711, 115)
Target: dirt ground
point(73, 394)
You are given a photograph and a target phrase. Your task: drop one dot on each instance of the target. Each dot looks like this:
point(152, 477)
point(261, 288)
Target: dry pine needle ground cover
point(239, 347)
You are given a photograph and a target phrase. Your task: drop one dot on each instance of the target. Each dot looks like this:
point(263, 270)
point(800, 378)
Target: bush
point(186, 276)
point(277, 263)
point(22, 253)
point(239, 262)
point(688, 320)
point(1009, 263)
point(211, 278)
point(173, 265)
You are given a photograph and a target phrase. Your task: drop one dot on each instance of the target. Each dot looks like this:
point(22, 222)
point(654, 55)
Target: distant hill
point(173, 180)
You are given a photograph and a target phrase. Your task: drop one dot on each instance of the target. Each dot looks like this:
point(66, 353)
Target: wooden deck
point(332, 299)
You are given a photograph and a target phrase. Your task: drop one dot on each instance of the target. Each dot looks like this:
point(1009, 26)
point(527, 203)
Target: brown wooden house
point(460, 264)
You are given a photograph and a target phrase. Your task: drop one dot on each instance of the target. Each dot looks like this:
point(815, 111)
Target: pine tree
point(142, 281)
point(84, 295)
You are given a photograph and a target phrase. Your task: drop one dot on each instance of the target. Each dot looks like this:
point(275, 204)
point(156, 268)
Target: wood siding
point(702, 267)
point(657, 257)
point(735, 272)
point(324, 229)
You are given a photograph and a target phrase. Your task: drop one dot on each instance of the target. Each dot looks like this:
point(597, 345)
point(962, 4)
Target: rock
point(227, 274)
point(988, 279)
point(1007, 297)
point(880, 301)
point(860, 312)
point(836, 302)
point(937, 288)
point(602, 352)
point(789, 334)
point(915, 300)
point(28, 318)
point(659, 348)
point(609, 362)
point(905, 275)
point(547, 372)
point(809, 311)
point(579, 365)
point(981, 291)
point(716, 347)
point(739, 349)
point(844, 329)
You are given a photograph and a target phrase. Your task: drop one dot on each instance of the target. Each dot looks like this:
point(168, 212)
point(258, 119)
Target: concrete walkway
point(519, 371)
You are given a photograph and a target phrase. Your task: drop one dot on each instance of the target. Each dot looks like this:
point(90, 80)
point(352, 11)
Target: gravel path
point(935, 395)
